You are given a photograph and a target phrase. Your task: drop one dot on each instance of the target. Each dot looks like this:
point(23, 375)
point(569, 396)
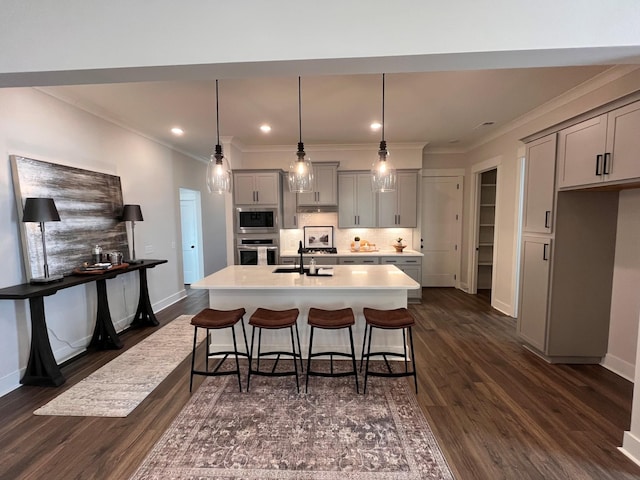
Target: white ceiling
point(441, 109)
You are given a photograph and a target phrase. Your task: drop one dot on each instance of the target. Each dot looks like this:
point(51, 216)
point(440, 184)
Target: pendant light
point(383, 173)
point(218, 172)
point(300, 170)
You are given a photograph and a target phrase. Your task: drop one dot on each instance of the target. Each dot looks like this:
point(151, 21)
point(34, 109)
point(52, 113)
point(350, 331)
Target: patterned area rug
point(116, 389)
point(272, 432)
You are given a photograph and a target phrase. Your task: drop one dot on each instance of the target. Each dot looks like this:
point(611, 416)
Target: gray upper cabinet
point(289, 205)
point(256, 188)
point(540, 166)
point(400, 208)
point(325, 180)
point(356, 207)
point(601, 149)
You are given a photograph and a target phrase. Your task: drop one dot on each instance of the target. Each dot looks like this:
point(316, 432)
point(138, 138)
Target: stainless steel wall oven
point(249, 249)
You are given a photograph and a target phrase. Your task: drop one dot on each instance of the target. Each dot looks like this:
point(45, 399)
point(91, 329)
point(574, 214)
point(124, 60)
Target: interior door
point(441, 230)
point(188, 220)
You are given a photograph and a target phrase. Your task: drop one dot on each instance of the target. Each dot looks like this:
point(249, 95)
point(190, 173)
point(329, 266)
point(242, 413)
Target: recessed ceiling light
point(265, 128)
point(376, 126)
point(177, 131)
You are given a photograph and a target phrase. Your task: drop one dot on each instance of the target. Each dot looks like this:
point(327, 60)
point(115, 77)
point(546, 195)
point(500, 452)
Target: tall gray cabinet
point(568, 242)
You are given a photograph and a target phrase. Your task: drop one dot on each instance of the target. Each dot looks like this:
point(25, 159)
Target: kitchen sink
point(289, 270)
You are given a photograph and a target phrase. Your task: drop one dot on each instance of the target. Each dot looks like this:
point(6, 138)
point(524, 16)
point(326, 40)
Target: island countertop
point(345, 277)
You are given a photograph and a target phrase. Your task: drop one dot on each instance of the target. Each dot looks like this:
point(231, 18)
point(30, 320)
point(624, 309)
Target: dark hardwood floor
point(497, 410)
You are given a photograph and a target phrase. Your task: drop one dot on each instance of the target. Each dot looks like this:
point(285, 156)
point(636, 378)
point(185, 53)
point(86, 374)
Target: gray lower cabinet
point(412, 266)
point(320, 260)
point(358, 260)
point(534, 290)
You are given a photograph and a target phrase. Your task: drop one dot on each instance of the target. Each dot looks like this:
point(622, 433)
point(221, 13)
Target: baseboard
point(620, 367)
point(631, 447)
point(503, 307)
point(10, 382)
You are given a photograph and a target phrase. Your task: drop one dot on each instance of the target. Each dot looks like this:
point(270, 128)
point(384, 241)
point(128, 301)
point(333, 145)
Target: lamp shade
point(132, 213)
point(40, 210)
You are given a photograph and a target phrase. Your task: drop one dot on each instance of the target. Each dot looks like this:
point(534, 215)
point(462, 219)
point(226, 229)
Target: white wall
point(625, 297)
point(35, 125)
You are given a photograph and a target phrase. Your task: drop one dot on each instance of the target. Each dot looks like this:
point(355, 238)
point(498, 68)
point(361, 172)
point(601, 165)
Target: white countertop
point(345, 277)
point(349, 253)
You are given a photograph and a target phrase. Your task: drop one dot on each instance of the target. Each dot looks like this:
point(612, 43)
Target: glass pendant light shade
point(383, 173)
point(300, 170)
point(218, 173)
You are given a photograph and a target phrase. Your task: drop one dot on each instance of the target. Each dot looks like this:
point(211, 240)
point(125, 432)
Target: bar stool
point(389, 320)
point(211, 319)
point(264, 318)
point(331, 320)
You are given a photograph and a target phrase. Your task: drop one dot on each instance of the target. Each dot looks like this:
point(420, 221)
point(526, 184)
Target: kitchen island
point(354, 286)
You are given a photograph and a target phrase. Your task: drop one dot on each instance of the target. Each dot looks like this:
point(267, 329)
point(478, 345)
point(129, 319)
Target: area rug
point(117, 388)
point(272, 432)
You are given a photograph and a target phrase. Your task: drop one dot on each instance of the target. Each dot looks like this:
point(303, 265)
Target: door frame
point(187, 194)
point(458, 174)
point(476, 173)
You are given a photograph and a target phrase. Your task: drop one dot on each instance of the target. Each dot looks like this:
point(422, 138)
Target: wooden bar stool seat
point(211, 319)
point(331, 320)
point(263, 318)
point(399, 318)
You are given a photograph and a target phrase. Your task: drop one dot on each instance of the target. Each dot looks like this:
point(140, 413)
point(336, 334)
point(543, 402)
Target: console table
point(42, 368)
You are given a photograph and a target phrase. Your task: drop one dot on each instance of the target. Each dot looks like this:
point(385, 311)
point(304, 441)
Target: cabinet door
point(326, 184)
point(387, 209)
point(289, 213)
point(407, 203)
point(244, 188)
point(365, 201)
point(267, 188)
point(540, 169)
point(534, 291)
point(623, 143)
point(581, 152)
point(348, 200)
point(358, 260)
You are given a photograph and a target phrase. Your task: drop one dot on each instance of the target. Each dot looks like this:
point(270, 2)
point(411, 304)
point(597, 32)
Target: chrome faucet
point(300, 250)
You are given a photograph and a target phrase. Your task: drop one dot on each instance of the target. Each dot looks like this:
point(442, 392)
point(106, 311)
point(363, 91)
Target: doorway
point(483, 277)
point(191, 226)
point(441, 230)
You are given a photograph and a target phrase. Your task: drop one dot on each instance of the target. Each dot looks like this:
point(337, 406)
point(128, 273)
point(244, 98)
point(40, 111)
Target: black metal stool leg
point(404, 345)
point(295, 362)
point(366, 370)
point(306, 383)
point(413, 357)
point(353, 359)
point(299, 348)
point(235, 349)
point(364, 339)
point(193, 357)
point(244, 334)
point(253, 334)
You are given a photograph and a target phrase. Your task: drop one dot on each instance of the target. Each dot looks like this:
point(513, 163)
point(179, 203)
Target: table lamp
point(133, 214)
point(42, 210)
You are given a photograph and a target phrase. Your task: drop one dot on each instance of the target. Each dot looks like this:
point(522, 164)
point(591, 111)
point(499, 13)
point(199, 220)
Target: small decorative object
point(356, 244)
point(96, 254)
point(398, 245)
point(312, 266)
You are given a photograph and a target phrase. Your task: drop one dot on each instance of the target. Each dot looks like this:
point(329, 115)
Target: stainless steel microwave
point(256, 220)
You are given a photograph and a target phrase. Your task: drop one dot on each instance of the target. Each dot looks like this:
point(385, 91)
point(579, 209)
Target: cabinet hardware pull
point(547, 215)
point(544, 252)
point(605, 169)
point(598, 159)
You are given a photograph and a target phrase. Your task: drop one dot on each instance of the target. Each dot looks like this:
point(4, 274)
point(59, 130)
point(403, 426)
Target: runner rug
point(117, 388)
point(272, 432)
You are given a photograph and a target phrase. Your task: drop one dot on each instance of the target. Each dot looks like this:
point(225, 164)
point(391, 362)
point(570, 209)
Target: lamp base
point(49, 279)
point(134, 262)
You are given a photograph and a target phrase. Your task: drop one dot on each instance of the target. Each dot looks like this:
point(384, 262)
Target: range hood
point(317, 209)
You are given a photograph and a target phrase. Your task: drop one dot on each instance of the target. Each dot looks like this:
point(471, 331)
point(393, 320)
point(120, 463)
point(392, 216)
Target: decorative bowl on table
point(399, 247)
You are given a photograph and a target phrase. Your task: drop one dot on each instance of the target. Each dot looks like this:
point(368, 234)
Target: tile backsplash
point(342, 237)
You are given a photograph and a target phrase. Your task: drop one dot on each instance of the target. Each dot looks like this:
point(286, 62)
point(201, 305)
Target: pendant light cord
point(217, 115)
point(299, 111)
point(383, 107)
